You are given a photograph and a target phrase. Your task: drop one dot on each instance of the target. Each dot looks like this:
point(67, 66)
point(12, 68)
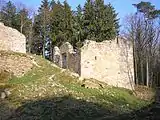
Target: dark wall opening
point(64, 60)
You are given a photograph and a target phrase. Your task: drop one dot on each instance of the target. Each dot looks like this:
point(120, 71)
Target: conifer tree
point(78, 32)
point(110, 28)
point(37, 44)
point(89, 19)
point(61, 24)
point(44, 15)
point(100, 21)
point(57, 22)
point(68, 26)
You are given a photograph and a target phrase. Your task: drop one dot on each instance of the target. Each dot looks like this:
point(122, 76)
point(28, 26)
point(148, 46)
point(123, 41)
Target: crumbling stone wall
point(66, 57)
point(57, 56)
point(109, 62)
point(11, 39)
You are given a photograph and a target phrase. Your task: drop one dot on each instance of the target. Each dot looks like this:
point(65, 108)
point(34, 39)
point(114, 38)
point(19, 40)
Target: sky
point(122, 7)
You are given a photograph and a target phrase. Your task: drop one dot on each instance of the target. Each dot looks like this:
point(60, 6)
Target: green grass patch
point(112, 97)
point(37, 73)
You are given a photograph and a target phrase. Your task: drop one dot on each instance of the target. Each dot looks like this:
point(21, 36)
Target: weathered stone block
point(11, 39)
point(108, 62)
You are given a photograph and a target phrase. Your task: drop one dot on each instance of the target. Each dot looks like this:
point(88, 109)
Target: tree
point(57, 24)
point(24, 23)
point(2, 3)
point(78, 29)
point(150, 13)
point(89, 19)
point(23, 14)
point(100, 21)
point(61, 24)
point(147, 9)
point(113, 22)
point(68, 25)
point(143, 31)
point(8, 14)
point(44, 15)
point(37, 44)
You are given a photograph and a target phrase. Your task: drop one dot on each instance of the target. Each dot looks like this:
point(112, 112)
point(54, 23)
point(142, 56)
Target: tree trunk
point(135, 64)
point(147, 73)
point(142, 73)
point(44, 46)
point(21, 28)
point(135, 71)
point(51, 52)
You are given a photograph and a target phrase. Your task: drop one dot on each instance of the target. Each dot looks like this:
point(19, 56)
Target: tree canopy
point(56, 23)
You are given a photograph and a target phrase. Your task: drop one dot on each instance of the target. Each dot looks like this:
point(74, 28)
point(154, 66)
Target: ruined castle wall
point(74, 62)
point(68, 58)
point(108, 62)
point(11, 39)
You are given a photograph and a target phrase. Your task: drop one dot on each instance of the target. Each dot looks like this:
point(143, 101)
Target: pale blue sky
point(123, 7)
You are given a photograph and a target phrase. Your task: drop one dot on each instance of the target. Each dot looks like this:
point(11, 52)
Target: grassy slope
point(45, 87)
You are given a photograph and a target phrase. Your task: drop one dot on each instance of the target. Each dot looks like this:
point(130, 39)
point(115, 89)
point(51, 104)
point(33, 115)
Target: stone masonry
point(11, 39)
point(109, 61)
point(65, 57)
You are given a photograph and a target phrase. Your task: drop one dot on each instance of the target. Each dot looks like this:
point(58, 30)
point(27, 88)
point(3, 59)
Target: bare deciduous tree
point(144, 34)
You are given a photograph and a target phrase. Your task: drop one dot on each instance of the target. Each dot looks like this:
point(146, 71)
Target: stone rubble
point(5, 93)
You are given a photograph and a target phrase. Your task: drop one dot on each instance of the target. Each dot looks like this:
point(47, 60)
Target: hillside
point(45, 92)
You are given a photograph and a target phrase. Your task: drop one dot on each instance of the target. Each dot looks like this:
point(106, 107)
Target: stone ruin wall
point(74, 62)
point(65, 57)
point(11, 39)
point(107, 61)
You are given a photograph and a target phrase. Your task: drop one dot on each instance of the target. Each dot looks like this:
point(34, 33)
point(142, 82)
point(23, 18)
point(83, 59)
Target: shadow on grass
point(68, 108)
point(5, 110)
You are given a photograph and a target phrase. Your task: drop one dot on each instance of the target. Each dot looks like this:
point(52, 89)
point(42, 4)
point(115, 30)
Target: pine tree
point(100, 21)
point(57, 24)
point(147, 9)
point(89, 18)
point(68, 21)
point(41, 29)
point(44, 15)
point(61, 24)
point(110, 28)
point(78, 33)
point(99, 10)
point(37, 44)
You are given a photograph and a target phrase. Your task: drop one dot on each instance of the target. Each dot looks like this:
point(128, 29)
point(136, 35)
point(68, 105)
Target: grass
point(45, 89)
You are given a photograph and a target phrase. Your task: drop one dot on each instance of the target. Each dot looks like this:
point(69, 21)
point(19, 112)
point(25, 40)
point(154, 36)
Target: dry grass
point(145, 93)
